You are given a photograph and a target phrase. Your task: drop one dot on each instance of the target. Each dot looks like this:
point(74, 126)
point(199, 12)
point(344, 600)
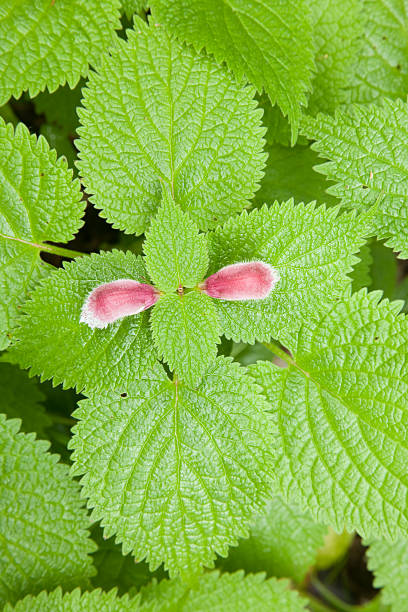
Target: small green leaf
point(53, 343)
point(283, 542)
point(311, 248)
point(44, 540)
point(21, 397)
point(38, 202)
point(176, 255)
point(366, 146)
point(224, 593)
point(159, 113)
point(177, 473)
point(340, 416)
point(186, 332)
point(269, 43)
point(389, 563)
point(93, 601)
point(45, 43)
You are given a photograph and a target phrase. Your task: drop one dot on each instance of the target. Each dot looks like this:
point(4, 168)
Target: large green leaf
point(53, 343)
point(38, 202)
point(47, 43)
point(389, 563)
point(177, 473)
point(157, 112)
point(93, 601)
point(43, 527)
point(340, 416)
point(269, 42)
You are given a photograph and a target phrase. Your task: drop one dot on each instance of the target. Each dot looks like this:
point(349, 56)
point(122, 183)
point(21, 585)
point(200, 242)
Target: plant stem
point(49, 248)
point(331, 598)
point(276, 350)
point(58, 418)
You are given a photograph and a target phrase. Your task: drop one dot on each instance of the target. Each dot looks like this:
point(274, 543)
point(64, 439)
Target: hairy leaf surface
point(366, 146)
point(312, 249)
point(175, 472)
point(38, 202)
point(389, 563)
point(186, 332)
point(157, 112)
point(176, 254)
point(224, 593)
point(46, 44)
point(269, 43)
point(43, 527)
point(341, 411)
point(54, 344)
point(93, 601)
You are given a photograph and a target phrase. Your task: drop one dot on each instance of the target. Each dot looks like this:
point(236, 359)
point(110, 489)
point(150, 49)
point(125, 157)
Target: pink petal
point(120, 298)
point(252, 280)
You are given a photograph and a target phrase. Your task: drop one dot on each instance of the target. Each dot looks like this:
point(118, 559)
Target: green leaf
point(21, 397)
point(224, 593)
point(384, 270)
point(340, 415)
point(283, 543)
point(158, 113)
point(176, 255)
point(43, 527)
point(186, 332)
point(130, 7)
point(361, 274)
point(93, 601)
point(389, 563)
point(289, 174)
point(60, 107)
point(382, 64)
point(312, 249)
point(53, 343)
point(177, 473)
point(269, 43)
point(117, 570)
point(38, 202)
point(50, 43)
point(369, 161)
point(338, 29)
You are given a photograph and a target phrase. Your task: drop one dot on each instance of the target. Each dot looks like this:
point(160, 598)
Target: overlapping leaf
point(38, 202)
point(176, 473)
point(53, 343)
point(176, 254)
point(283, 542)
point(43, 527)
point(389, 563)
point(366, 146)
point(21, 397)
point(93, 601)
point(224, 593)
point(49, 43)
point(157, 112)
point(341, 413)
point(130, 7)
point(312, 249)
point(269, 43)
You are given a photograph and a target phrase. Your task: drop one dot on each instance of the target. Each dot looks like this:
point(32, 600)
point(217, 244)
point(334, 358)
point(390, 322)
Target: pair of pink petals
point(241, 281)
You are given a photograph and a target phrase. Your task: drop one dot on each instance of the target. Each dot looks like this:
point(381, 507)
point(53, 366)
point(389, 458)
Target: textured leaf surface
point(268, 43)
point(186, 332)
point(159, 112)
point(312, 249)
point(176, 255)
point(382, 65)
point(130, 7)
point(38, 202)
point(176, 473)
point(289, 174)
point(224, 593)
point(50, 43)
point(366, 146)
point(389, 563)
point(54, 344)
point(361, 275)
point(283, 542)
point(43, 526)
point(338, 29)
point(341, 412)
point(93, 601)
point(20, 397)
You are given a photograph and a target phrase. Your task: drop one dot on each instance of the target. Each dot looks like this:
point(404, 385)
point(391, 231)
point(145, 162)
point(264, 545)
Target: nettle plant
point(244, 381)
